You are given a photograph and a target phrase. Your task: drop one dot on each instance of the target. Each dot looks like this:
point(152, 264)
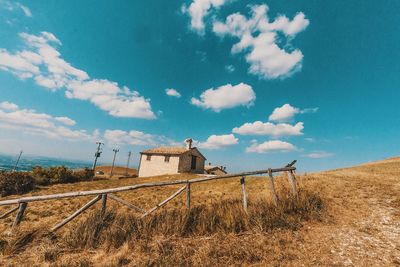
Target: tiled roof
point(168, 150)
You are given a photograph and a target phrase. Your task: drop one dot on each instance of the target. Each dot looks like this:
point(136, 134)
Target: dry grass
point(342, 217)
point(118, 172)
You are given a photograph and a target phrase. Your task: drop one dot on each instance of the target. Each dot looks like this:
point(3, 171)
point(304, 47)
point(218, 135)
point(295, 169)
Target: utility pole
point(97, 154)
point(116, 150)
point(127, 163)
point(16, 163)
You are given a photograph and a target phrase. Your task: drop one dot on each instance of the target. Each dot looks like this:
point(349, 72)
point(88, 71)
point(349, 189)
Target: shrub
point(83, 175)
point(15, 183)
point(60, 175)
point(41, 176)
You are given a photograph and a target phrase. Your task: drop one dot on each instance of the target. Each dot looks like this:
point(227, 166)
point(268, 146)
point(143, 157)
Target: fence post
point(272, 184)
point(20, 214)
point(188, 195)
point(292, 181)
point(244, 195)
point(103, 203)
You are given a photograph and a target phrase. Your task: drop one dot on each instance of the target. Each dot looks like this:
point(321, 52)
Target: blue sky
point(255, 83)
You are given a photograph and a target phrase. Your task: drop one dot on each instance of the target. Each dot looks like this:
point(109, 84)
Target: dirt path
point(367, 230)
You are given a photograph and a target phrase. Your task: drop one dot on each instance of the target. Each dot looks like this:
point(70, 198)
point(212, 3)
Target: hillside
point(117, 172)
point(358, 224)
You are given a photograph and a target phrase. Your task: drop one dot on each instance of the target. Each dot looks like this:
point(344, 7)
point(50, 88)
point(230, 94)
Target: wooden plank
point(292, 181)
point(103, 203)
point(76, 213)
point(188, 195)
point(126, 203)
point(20, 214)
point(244, 195)
point(137, 186)
point(8, 212)
point(164, 202)
point(272, 186)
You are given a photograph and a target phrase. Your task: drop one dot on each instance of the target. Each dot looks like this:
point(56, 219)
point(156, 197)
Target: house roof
point(211, 168)
point(169, 150)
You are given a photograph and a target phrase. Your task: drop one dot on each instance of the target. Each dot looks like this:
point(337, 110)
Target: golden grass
point(342, 217)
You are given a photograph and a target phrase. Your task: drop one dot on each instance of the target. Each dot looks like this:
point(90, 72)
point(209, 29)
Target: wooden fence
point(104, 194)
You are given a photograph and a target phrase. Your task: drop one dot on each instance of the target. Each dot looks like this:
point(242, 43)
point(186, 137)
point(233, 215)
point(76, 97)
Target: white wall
point(157, 165)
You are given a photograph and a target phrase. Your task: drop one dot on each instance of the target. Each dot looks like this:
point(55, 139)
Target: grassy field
point(343, 217)
point(118, 171)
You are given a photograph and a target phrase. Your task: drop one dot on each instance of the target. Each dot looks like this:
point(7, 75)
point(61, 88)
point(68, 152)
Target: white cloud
point(108, 96)
point(230, 68)
point(133, 137)
point(8, 106)
point(269, 146)
point(226, 96)
point(258, 38)
point(33, 122)
point(287, 112)
point(172, 92)
point(268, 128)
point(25, 9)
point(65, 120)
point(11, 6)
point(218, 141)
point(42, 62)
point(198, 10)
point(319, 155)
point(284, 113)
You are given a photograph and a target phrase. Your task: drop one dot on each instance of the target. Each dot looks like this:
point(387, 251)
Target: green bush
point(60, 175)
point(16, 183)
point(22, 182)
point(41, 176)
point(83, 175)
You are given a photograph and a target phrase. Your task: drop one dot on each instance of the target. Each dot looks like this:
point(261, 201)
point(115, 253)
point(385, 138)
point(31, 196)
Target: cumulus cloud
point(258, 39)
point(33, 122)
point(218, 141)
point(133, 137)
point(268, 128)
point(172, 92)
point(198, 10)
point(226, 96)
point(319, 155)
point(269, 146)
point(42, 62)
point(287, 112)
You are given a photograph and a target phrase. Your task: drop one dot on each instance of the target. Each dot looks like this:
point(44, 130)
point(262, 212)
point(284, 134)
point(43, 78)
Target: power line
point(97, 154)
point(127, 163)
point(116, 150)
point(16, 163)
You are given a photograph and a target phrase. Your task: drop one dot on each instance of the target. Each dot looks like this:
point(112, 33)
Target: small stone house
point(215, 170)
point(171, 160)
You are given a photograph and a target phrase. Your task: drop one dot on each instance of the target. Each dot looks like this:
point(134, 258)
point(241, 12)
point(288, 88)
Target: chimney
point(188, 142)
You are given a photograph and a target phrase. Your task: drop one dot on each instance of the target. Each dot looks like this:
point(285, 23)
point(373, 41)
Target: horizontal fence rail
point(102, 193)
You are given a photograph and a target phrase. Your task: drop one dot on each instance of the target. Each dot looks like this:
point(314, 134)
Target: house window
point(148, 157)
point(166, 159)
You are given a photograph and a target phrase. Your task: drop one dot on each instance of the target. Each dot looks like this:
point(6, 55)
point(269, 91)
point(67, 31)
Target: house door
point(193, 166)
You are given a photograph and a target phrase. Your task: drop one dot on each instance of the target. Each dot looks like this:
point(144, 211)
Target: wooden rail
point(103, 194)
